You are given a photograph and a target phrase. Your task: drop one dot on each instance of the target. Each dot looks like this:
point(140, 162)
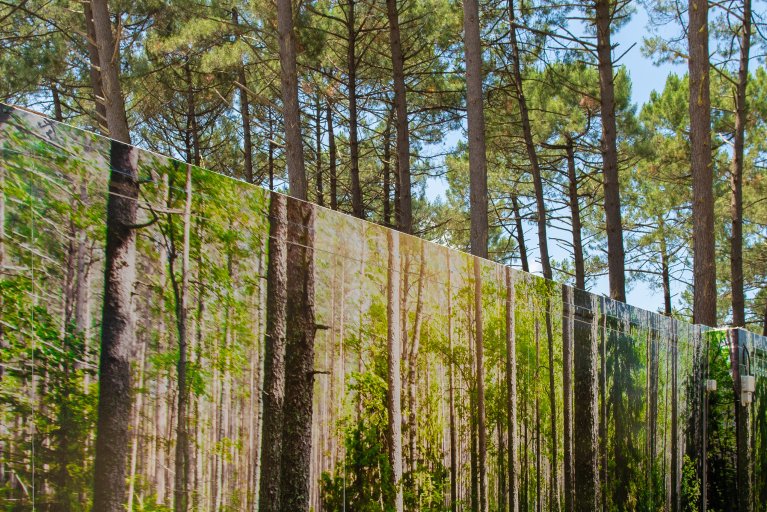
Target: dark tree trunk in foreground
point(511, 394)
point(117, 323)
point(704, 264)
point(274, 356)
point(585, 335)
point(291, 113)
point(299, 360)
point(736, 174)
point(400, 103)
point(527, 132)
point(476, 129)
point(394, 378)
point(480, 376)
point(615, 252)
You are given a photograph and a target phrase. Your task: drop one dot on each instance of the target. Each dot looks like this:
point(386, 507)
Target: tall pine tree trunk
point(291, 112)
point(703, 233)
point(736, 173)
point(117, 323)
point(403, 131)
point(575, 216)
point(274, 356)
point(519, 233)
point(358, 208)
point(615, 252)
point(332, 157)
point(476, 129)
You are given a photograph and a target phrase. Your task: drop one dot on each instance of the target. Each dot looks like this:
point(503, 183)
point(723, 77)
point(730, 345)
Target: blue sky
point(646, 77)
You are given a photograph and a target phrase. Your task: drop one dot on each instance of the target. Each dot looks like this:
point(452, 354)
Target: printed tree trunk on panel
point(480, 377)
point(274, 356)
point(511, 394)
point(299, 359)
point(412, 365)
point(583, 321)
point(394, 382)
point(180, 286)
point(742, 455)
point(567, 388)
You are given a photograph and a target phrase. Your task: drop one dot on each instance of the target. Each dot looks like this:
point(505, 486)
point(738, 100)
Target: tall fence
point(414, 371)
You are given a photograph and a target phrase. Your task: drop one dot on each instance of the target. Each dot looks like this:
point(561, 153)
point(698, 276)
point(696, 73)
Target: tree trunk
point(400, 103)
point(736, 175)
point(567, 390)
point(520, 233)
point(290, 108)
point(703, 233)
point(94, 70)
point(554, 438)
point(451, 390)
point(299, 360)
point(117, 323)
point(480, 375)
point(675, 463)
point(394, 379)
point(575, 214)
point(354, 152)
point(511, 393)
point(274, 356)
point(242, 87)
point(318, 150)
point(476, 129)
point(615, 252)
point(527, 132)
point(333, 178)
point(180, 291)
point(270, 150)
point(665, 268)
point(412, 363)
point(386, 169)
point(584, 322)
point(117, 332)
point(538, 497)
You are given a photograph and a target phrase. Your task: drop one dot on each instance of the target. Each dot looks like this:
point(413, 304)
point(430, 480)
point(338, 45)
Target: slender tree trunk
point(412, 363)
point(567, 389)
point(527, 132)
point(180, 291)
point(520, 233)
point(394, 379)
point(333, 178)
point(476, 128)
point(538, 476)
point(675, 467)
point(736, 174)
point(480, 372)
point(451, 390)
point(575, 214)
point(386, 169)
point(400, 103)
point(291, 113)
point(665, 268)
point(270, 150)
point(703, 233)
point(274, 356)
point(615, 252)
point(318, 150)
point(511, 393)
point(584, 322)
point(554, 477)
point(354, 156)
point(299, 360)
point(242, 88)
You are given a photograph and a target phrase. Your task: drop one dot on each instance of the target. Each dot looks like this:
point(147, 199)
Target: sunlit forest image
point(276, 353)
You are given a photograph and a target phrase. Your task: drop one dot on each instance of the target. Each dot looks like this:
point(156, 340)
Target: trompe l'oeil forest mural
point(172, 339)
